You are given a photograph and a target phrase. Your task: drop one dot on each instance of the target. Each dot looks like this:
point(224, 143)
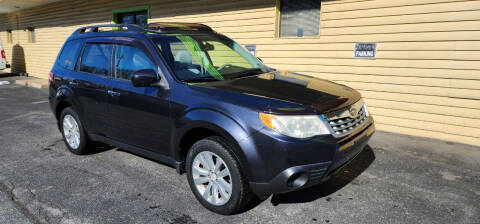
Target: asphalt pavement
point(396, 179)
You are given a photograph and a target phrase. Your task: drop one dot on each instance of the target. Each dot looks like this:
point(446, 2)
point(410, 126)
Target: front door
point(138, 116)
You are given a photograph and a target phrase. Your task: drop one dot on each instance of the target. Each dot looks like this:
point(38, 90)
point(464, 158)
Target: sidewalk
point(23, 80)
point(32, 82)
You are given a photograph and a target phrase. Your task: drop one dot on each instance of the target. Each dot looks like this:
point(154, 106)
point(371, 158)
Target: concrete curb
point(35, 83)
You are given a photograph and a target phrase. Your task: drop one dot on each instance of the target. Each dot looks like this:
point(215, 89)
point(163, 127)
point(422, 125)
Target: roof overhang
point(8, 6)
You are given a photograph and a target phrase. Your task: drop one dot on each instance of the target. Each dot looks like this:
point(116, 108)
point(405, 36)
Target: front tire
point(215, 176)
point(73, 132)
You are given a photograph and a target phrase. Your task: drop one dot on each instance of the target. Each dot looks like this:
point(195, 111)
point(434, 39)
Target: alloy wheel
point(71, 131)
point(212, 178)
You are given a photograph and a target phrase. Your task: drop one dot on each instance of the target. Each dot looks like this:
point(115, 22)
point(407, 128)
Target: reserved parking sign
point(365, 50)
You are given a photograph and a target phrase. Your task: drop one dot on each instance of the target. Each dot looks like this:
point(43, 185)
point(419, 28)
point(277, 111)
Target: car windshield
point(205, 57)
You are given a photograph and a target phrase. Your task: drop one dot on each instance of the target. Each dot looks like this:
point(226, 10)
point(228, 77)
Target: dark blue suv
point(189, 97)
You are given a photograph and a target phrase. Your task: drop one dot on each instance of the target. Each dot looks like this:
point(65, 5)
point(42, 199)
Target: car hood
point(316, 94)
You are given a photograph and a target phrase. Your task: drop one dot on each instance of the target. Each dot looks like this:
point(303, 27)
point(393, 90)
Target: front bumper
point(329, 157)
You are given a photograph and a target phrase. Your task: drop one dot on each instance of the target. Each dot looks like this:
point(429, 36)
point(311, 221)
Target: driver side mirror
point(144, 78)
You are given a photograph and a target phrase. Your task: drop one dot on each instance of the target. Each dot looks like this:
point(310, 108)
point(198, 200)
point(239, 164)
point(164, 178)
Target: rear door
point(138, 116)
point(93, 71)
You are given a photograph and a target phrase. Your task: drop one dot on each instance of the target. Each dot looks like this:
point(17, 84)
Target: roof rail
point(173, 26)
point(161, 27)
point(121, 27)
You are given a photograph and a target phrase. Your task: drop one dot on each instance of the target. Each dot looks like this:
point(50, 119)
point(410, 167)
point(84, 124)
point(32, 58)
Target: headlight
point(366, 110)
point(295, 126)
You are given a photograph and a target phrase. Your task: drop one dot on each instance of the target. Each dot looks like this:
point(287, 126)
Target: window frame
point(114, 57)
point(79, 53)
point(82, 51)
point(278, 11)
point(115, 12)
point(31, 35)
point(9, 36)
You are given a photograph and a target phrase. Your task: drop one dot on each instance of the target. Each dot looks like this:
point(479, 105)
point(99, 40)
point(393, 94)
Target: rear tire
point(224, 190)
point(73, 133)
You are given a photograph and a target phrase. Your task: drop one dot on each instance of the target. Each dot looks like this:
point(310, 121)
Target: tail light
point(3, 54)
point(50, 77)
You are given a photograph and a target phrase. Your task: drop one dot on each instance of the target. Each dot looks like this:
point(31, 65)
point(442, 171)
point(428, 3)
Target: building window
point(136, 15)
point(31, 35)
point(299, 18)
point(9, 37)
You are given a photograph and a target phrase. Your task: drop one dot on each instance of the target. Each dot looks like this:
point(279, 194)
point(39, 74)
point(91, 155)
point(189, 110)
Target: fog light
point(297, 180)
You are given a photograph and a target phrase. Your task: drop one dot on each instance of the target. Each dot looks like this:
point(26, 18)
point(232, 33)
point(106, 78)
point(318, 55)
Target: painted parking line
point(39, 102)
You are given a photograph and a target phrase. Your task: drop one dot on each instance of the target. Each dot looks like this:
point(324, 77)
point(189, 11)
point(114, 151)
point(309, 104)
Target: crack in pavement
point(54, 143)
point(9, 188)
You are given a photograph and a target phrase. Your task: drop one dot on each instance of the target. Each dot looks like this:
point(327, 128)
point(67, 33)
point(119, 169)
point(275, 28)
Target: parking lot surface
point(397, 179)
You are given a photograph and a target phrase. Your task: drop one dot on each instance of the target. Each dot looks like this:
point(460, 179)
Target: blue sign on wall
point(252, 48)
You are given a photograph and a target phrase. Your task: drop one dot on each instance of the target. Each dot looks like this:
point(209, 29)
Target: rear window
point(69, 54)
point(96, 59)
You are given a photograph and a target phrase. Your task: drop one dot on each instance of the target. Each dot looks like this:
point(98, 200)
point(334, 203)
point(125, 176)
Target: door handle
point(73, 83)
point(113, 93)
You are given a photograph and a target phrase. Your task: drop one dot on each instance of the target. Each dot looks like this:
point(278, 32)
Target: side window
point(96, 59)
point(130, 59)
point(69, 54)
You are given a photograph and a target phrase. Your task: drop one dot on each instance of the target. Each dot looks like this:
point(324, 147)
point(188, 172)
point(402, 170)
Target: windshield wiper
point(255, 71)
point(245, 73)
point(201, 79)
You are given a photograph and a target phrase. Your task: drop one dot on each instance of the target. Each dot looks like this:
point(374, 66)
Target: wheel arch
point(64, 98)
point(60, 107)
point(214, 123)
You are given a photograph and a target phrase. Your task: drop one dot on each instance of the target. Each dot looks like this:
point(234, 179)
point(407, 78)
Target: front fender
point(220, 123)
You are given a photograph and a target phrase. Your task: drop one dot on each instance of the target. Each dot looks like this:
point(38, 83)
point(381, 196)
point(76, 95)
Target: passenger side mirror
point(144, 78)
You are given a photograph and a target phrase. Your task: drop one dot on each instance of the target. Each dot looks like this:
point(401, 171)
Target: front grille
point(345, 125)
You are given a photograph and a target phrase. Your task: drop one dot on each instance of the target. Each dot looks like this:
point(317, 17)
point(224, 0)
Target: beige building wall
point(425, 80)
